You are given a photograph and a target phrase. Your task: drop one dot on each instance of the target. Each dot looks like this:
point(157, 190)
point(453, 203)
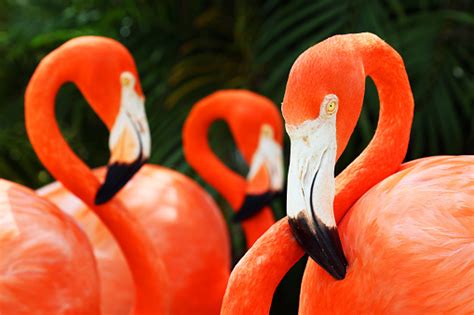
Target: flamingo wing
point(410, 245)
point(46, 262)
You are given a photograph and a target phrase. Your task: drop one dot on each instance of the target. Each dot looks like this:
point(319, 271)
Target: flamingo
point(257, 128)
point(46, 261)
point(177, 267)
point(406, 229)
point(140, 197)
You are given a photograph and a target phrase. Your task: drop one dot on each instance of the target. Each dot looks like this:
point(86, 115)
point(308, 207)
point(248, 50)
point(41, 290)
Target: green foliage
point(186, 50)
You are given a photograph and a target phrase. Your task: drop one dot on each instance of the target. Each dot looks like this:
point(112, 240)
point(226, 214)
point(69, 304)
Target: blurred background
point(185, 50)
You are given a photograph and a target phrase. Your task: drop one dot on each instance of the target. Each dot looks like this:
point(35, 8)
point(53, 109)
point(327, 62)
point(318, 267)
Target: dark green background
point(187, 49)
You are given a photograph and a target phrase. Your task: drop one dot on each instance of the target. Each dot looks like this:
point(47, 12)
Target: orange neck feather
point(385, 153)
point(200, 156)
point(64, 165)
point(255, 278)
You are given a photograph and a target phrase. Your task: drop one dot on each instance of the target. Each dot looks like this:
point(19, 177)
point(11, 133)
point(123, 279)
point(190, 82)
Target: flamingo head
point(105, 72)
point(258, 131)
point(321, 105)
point(265, 176)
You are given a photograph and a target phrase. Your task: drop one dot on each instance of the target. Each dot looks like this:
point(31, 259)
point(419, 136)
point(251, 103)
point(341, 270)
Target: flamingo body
point(170, 232)
point(410, 244)
point(46, 262)
point(181, 220)
point(406, 229)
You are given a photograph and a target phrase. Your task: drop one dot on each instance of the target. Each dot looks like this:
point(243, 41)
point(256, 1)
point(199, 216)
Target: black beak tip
point(252, 205)
point(322, 244)
point(118, 175)
point(338, 273)
point(238, 217)
point(102, 195)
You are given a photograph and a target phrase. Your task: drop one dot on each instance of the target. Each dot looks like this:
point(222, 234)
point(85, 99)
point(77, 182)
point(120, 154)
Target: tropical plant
point(188, 49)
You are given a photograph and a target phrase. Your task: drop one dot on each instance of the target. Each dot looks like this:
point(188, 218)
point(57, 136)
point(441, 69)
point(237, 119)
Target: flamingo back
point(410, 245)
point(46, 261)
point(184, 223)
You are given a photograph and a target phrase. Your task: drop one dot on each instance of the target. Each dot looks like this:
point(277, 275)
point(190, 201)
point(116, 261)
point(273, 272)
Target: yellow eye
point(125, 81)
point(331, 107)
point(266, 131)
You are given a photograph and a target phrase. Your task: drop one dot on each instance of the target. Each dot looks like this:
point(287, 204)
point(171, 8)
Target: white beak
point(129, 141)
point(265, 177)
point(311, 189)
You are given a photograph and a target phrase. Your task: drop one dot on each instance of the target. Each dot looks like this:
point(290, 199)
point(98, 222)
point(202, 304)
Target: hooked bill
point(129, 141)
point(265, 177)
point(311, 188)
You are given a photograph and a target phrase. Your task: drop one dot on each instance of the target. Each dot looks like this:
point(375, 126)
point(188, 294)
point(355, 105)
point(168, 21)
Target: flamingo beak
point(311, 189)
point(258, 195)
point(129, 142)
point(265, 177)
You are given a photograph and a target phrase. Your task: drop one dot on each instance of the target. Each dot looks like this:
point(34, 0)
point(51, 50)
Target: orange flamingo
point(144, 196)
point(182, 276)
point(46, 262)
point(257, 128)
point(408, 239)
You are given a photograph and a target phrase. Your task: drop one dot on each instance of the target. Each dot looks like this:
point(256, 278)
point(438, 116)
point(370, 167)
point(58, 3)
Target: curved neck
point(53, 151)
point(200, 156)
point(228, 183)
point(254, 279)
point(386, 151)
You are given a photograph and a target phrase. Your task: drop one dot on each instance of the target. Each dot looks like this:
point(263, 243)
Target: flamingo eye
point(267, 131)
point(125, 81)
point(331, 107)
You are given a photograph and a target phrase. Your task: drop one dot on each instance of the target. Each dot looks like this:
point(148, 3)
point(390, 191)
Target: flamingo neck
point(252, 283)
point(254, 279)
point(55, 154)
point(385, 153)
point(228, 183)
point(200, 156)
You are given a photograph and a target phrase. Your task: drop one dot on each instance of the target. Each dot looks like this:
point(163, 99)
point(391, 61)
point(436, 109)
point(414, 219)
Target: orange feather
point(177, 215)
point(406, 229)
point(46, 261)
point(170, 217)
point(245, 112)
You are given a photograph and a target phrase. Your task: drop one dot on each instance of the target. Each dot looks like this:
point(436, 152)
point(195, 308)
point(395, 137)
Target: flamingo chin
point(177, 215)
point(417, 238)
